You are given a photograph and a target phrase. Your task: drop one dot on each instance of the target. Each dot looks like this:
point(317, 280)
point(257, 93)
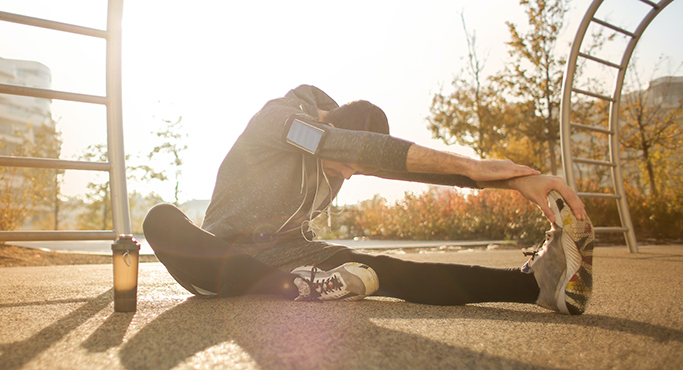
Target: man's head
point(359, 115)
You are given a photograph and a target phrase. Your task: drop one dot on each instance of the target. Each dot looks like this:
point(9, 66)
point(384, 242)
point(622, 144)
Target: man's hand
point(499, 169)
point(536, 188)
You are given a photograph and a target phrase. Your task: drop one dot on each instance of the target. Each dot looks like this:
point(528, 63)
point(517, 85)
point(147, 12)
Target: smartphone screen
point(305, 136)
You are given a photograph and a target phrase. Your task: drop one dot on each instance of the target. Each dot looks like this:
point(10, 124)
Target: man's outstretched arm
point(421, 159)
point(493, 173)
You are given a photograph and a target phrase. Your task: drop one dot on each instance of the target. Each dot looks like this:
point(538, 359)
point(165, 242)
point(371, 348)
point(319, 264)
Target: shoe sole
point(575, 289)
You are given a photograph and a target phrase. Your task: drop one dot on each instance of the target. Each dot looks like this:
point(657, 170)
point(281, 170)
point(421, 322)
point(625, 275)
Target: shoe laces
point(323, 286)
point(539, 246)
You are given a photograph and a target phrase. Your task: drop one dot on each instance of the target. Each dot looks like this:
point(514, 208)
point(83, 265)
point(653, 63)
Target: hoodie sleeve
point(381, 156)
point(367, 149)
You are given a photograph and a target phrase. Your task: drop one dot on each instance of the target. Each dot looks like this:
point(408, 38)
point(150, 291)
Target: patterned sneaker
point(563, 265)
point(350, 281)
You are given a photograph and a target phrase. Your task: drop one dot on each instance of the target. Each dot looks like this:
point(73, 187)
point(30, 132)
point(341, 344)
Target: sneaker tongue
point(329, 284)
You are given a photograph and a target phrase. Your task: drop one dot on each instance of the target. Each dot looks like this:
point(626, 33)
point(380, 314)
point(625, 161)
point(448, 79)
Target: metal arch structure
point(612, 131)
point(115, 164)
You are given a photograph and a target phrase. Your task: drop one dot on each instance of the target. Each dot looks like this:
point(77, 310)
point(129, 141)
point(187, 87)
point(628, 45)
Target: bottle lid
point(125, 243)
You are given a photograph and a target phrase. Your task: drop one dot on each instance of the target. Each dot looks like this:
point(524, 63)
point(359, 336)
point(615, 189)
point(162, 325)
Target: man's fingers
point(518, 170)
point(575, 203)
point(497, 169)
point(548, 212)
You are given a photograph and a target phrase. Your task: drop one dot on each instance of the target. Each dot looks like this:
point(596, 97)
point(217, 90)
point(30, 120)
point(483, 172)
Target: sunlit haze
point(215, 63)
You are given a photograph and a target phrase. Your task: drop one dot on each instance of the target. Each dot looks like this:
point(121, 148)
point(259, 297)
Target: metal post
point(566, 101)
point(125, 250)
point(116, 152)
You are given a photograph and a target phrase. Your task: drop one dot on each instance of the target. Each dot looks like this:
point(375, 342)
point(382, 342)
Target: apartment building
point(20, 116)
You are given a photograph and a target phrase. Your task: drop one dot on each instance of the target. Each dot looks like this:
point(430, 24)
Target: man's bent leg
point(232, 275)
point(206, 265)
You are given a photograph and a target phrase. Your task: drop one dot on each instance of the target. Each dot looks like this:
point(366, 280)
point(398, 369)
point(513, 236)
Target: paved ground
point(62, 318)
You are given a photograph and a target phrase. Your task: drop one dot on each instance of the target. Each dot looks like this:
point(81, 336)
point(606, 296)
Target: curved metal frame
point(613, 130)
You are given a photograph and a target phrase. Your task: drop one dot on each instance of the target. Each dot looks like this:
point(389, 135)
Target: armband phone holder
point(304, 135)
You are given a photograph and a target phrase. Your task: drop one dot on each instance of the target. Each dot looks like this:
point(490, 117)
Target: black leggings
point(442, 283)
point(201, 262)
point(418, 282)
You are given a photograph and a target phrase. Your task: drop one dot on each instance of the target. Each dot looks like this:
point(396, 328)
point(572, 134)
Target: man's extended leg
point(442, 283)
point(561, 270)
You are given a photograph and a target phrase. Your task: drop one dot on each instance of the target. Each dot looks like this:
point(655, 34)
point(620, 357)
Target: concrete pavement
point(62, 318)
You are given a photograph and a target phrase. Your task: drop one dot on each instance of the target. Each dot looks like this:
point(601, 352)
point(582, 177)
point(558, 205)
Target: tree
point(173, 146)
point(513, 114)
point(652, 127)
point(46, 143)
point(472, 114)
point(98, 213)
point(98, 199)
point(25, 191)
point(14, 199)
point(535, 73)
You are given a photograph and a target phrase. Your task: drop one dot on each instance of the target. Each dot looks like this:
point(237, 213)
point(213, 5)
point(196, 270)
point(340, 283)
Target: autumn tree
point(472, 114)
point(15, 201)
point(651, 130)
point(30, 192)
point(514, 113)
point(535, 72)
point(46, 143)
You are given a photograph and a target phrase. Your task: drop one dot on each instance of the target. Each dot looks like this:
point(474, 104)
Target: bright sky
point(217, 62)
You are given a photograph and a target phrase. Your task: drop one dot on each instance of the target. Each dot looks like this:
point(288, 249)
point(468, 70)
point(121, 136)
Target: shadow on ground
point(280, 334)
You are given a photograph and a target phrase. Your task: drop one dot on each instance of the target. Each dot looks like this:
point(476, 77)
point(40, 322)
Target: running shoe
point(563, 265)
point(350, 281)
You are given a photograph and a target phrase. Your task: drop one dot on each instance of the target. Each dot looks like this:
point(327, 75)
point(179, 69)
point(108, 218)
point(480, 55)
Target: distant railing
point(115, 164)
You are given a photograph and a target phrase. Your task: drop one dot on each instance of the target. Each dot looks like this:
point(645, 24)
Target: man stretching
point(287, 167)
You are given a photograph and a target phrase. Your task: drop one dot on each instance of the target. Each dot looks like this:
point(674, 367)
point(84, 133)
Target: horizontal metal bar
point(60, 164)
point(599, 195)
point(57, 26)
point(618, 29)
point(591, 128)
point(14, 236)
point(52, 94)
point(606, 230)
point(603, 97)
point(650, 3)
point(601, 61)
point(595, 162)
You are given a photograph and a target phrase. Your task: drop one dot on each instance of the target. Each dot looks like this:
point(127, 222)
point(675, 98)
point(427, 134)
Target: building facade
point(21, 116)
point(27, 129)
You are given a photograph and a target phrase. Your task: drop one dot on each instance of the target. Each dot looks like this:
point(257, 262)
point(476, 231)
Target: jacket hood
point(311, 98)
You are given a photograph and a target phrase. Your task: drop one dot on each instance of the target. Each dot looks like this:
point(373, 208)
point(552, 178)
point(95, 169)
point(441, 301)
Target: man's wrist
point(508, 184)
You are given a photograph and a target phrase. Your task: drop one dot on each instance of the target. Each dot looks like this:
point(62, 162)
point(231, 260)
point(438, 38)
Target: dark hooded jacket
point(266, 187)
